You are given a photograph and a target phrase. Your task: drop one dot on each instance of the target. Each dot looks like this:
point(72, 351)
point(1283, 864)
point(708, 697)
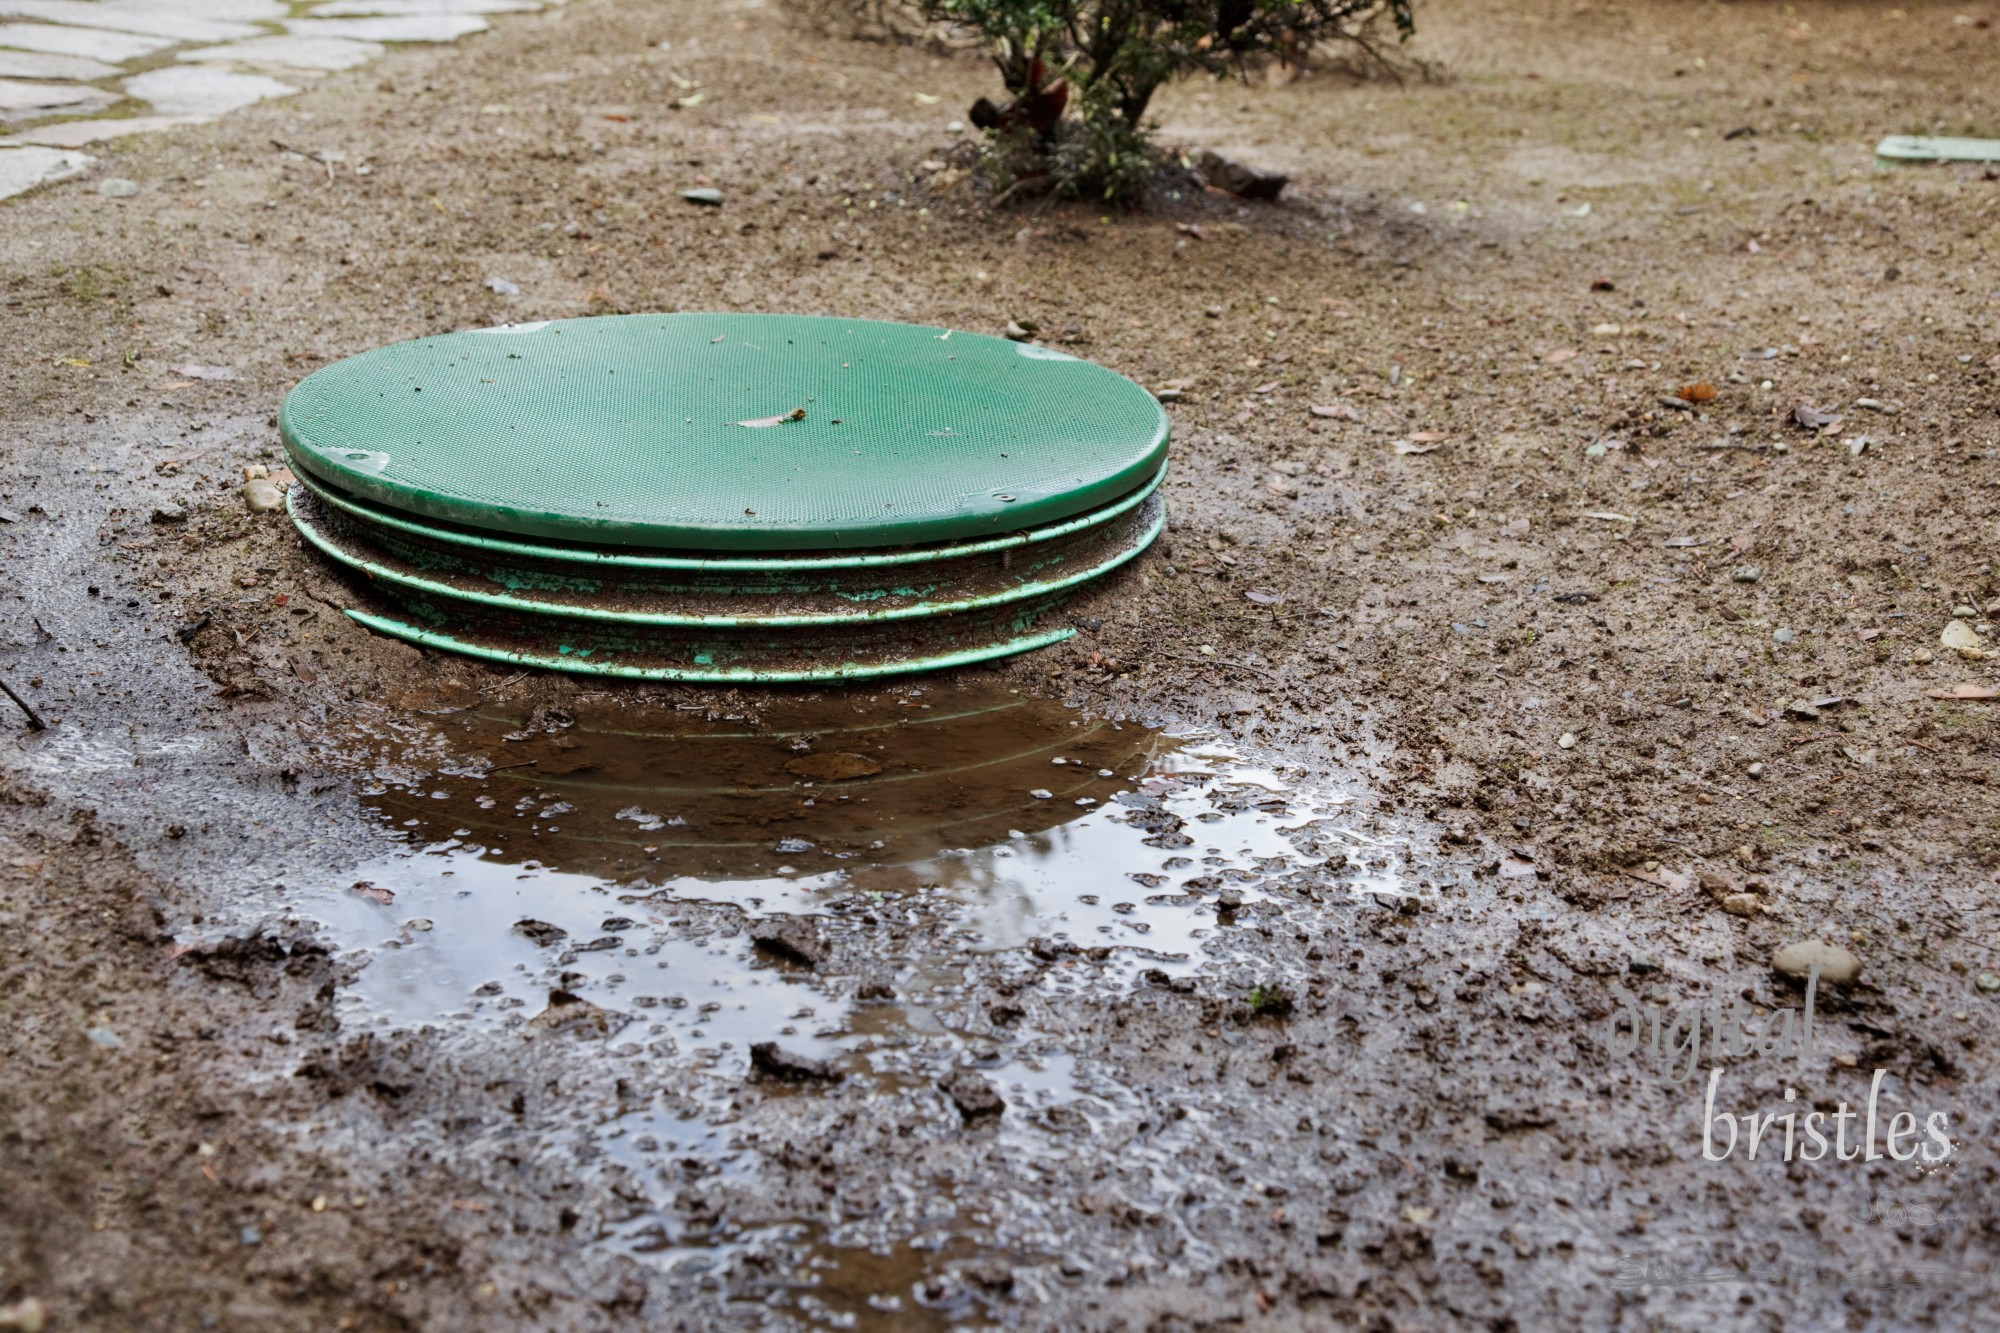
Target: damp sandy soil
point(350, 986)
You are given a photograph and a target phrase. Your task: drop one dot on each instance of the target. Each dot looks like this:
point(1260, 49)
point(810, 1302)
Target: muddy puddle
point(825, 873)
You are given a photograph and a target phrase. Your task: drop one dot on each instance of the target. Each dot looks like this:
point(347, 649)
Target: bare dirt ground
point(1597, 663)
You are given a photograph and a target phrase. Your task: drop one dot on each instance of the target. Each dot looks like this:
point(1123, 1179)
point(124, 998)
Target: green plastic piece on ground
point(727, 432)
point(1900, 149)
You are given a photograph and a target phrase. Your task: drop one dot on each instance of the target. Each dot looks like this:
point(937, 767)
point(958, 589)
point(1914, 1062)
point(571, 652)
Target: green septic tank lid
point(656, 430)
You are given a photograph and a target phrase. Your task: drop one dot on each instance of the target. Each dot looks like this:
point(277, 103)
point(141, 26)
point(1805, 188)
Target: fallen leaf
point(1610, 517)
point(1677, 880)
point(375, 894)
point(1685, 541)
point(1430, 437)
point(1699, 392)
point(1816, 418)
point(1265, 388)
point(1757, 717)
point(1967, 690)
point(1262, 597)
point(1408, 447)
point(1337, 412)
point(1560, 355)
point(758, 423)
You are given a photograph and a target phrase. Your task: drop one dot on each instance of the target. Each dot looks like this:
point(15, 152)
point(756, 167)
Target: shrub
point(1080, 74)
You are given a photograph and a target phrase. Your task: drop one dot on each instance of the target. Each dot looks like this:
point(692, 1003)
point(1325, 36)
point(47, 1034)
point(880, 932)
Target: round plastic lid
point(727, 431)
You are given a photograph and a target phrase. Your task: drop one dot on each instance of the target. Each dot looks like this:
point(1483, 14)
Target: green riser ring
point(989, 579)
point(712, 675)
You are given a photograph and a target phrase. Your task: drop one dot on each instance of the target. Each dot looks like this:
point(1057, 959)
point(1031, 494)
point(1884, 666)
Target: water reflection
point(607, 872)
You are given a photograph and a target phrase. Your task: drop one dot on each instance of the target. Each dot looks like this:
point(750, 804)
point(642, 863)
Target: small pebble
point(1568, 741)
point(1042, 794)
point(1988, 982)
point(1755, 770)
point(117, 187)
point(1784, 634)
point(706, 197)
point(260, 496)
point(1740, 904)
point(1747, 574)
point(1837, 966)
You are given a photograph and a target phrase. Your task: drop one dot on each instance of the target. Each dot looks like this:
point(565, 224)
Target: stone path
point(79, 72)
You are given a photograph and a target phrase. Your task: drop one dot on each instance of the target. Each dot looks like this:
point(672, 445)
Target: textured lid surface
point(627, 430)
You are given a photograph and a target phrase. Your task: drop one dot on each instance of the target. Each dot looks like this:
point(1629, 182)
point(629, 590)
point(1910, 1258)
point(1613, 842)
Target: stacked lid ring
point(724, 497)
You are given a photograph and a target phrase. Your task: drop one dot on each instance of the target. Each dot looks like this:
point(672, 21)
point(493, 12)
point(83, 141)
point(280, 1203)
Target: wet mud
point(1474, 698)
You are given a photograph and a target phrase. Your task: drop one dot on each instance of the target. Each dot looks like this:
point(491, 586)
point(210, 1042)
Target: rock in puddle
point(542, 933)
point(792, 939)
point(972, 1095)
point(774, 1061)
point(1836, 965)
point(573, 1014)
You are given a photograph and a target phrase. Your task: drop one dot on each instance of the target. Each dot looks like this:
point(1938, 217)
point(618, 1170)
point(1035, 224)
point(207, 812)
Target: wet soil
point(1471, 666)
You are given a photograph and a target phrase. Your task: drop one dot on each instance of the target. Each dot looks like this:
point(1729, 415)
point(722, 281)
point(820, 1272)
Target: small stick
point(35, 722)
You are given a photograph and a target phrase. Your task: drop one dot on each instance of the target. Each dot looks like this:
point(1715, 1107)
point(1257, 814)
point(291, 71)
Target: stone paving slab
point(154, 20)
point(77, 133)
point(235, 53)
point(95, 43)
point(405, 28)
point(201, 90)
point(16, 96)
point(40, 65)
point(25, 168)
point(290, 51)
point(384, 8)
